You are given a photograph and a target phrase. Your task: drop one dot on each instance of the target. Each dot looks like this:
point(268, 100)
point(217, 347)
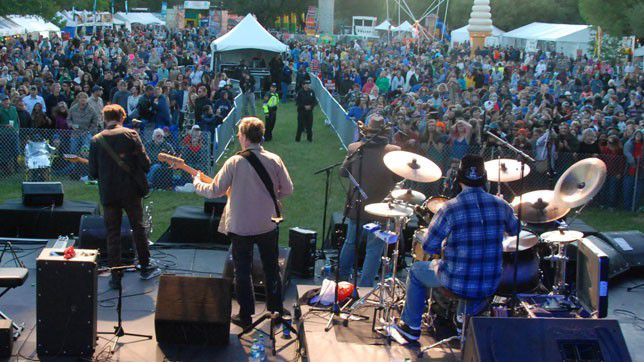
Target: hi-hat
point(561, 236)
point(412, 166)
point(409, 196)
point(539, 207)
point(526, 241)
point(581, 182)
point(510, 170)
point(388, 209)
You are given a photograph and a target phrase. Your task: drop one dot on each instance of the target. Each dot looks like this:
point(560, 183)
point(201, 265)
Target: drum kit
point(574, 189)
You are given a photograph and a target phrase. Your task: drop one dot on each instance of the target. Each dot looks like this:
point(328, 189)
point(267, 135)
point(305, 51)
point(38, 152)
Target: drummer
point(376, 180)
point(473, 224)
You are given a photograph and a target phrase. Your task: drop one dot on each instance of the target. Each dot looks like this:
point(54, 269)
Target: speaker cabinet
point(257, 271)
point(544, 340)
point(6, 337)
point(42, 193)
point(189, 224)
point(93, 235)
point(302, 243)
point(66, 304)
point(214, 206)
point(193, 310)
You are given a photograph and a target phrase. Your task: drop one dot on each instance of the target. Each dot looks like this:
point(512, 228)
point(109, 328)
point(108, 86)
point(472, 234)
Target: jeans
point(112, 218)
point(611, 191)
point(285, 91)
point(78, 140)
point(422, 275)
point(373, 253)
point(629, 185)
point(242, 249)
point(248, 101)
point(271, 118)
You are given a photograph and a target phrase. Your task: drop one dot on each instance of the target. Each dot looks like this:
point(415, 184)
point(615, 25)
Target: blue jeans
point(285, 91)
point(629, 185)
point(422, 275)
point(374, 250)
point(78, 140)
point(611, 191)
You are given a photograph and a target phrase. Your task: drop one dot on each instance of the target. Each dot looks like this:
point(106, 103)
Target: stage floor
point(341, 344)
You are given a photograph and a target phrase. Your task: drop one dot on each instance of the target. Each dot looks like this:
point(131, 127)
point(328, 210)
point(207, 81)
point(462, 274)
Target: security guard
point(305, 101)
point(271, 100)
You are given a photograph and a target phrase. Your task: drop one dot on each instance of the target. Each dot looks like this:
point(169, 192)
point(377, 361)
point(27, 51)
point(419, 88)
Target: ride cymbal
point(562, 236)
point(409, 196)
point(412, 166)
point(388, 209)
point(538, 207)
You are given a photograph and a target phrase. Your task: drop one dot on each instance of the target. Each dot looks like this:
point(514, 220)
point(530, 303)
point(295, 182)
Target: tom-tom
point(434, 203)
point(528, 271)
point(418, 254)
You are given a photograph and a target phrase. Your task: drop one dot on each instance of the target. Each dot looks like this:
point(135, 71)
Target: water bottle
point(286, 323)
point(327, 268)
point(253, 356)
point(262, 349)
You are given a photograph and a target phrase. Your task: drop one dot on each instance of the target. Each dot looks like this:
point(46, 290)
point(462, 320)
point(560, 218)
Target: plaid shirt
point(473, 224)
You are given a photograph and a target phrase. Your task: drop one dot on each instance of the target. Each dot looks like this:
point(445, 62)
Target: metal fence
point(225, 133)
point(622, 189)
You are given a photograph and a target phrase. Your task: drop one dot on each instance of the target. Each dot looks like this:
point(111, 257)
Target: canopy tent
point(564, 38)
point(86, 18)
point(138, 18)
point(462, 35)
point(639, 52)
point(9, 28)
point(384, 26)
point(405, 27)
point(34, 24)
point(248, 34)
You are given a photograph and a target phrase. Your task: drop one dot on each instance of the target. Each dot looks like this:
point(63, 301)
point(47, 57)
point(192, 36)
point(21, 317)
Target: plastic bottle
point(262, 348)
point(253, 355)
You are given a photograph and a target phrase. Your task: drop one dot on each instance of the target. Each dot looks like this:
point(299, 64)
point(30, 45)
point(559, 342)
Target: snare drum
point(418, 254)
point(434, 203)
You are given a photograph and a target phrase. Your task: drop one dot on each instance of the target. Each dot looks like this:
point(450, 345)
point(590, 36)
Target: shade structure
point(405, 27)
point(139, 18)
point(564, 38)
point(384, 26)
point(248, 34)
point(33, 24)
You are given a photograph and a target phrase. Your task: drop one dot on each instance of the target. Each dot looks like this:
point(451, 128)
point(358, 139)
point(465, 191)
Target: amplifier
point(42, 193)
point(303, 247)
point(93, 235)
point(66, 304)
point(257, 271)
point(628, 243)
point(193, 310)
point(214, 206)
point(6, 337)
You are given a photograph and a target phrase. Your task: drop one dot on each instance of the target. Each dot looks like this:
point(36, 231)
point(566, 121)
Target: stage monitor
point(592, 278)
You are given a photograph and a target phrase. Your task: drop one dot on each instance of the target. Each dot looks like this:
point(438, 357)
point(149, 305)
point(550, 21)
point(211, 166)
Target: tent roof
point(86, 14)
point(33, 23)
point(639, 52)
point(385, 25)
point(139, 18)
point(9, 28)
point(248, 34)
point(495, 31)
point(404, 27)
point(545, 31)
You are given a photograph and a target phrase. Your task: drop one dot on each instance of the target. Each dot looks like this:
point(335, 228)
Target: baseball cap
point(275, 85)
point(196, 127)
point(567, 93)
point(96, 88)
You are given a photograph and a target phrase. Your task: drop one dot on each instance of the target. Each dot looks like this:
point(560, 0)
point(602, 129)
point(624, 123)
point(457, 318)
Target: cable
point(636, 319)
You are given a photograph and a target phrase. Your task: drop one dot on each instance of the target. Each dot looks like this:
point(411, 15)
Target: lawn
point(304, 208)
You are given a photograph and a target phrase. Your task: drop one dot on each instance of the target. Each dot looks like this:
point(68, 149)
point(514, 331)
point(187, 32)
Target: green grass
point(304, 208)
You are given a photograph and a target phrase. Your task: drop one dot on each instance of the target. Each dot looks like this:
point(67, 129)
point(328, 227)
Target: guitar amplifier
point(42, 193)
point(66, 304)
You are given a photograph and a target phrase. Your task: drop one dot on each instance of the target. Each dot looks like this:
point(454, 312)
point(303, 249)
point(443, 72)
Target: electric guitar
point(75, 158)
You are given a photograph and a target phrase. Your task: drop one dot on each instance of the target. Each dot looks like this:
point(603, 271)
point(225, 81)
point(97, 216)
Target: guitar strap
point(266, 179)
point(110, 151)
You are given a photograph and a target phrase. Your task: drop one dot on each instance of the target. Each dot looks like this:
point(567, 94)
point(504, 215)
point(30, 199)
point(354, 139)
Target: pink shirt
point(249, 207)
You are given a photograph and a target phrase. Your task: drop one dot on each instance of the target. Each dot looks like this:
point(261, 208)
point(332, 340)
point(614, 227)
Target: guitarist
point(254, 180)
point(117, 159)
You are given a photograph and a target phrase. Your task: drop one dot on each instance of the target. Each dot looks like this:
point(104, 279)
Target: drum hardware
point(538, 207)
point(503, 170)
point(408, 196)
point(559, 239)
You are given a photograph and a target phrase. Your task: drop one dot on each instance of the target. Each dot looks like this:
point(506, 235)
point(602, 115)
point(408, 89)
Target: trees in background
point(616, 17)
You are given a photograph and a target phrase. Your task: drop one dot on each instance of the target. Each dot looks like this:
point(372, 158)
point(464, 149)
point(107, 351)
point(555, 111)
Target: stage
point(339, 344)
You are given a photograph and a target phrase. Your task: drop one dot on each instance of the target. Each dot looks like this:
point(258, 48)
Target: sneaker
point(153, 263)
point(150, 272)
point(241, 321)
point(409, 333)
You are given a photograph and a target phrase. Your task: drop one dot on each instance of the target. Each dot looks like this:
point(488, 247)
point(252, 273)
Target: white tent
point(80, 18)
point(405, 27)
point(248, 34)
point(138, 18)
point(9, 28)
point(34, 24)
point(461, 35)
point(384, 26)
point(563, 38)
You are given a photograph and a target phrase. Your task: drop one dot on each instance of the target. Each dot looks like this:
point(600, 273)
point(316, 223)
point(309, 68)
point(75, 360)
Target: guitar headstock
point(72, 158)
point(172, 161)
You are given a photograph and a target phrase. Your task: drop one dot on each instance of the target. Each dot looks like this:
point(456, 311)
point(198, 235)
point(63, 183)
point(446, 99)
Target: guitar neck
point(204, 178)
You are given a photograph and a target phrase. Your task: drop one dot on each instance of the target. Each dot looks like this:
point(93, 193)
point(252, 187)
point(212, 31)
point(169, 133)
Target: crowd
point(441, 102)
point(56, 89)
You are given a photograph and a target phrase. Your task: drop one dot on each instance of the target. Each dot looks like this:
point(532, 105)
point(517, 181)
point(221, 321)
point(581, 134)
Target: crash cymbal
point(562, 236)
point(527, 240)
point(510, 170)
point(581, 182)
point(412, 166)
point(409, 196)
point(538, 207)
point(388, 209)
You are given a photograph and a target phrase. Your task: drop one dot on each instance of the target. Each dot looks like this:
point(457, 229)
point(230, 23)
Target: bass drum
point(528, 272)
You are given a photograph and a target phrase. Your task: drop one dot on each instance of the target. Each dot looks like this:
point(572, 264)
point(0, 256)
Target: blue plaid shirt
point(473, 224)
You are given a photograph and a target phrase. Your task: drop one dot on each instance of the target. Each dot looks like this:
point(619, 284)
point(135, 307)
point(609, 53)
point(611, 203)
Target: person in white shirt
point(33, 98)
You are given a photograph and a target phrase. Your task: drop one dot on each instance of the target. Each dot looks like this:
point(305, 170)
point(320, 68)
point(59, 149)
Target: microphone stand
point(522, 158)
point(327, 171)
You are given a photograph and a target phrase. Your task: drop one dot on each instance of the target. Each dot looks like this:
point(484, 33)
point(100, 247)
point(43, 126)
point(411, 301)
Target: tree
point(267, 11)
point(48, 8)
point(616, 17)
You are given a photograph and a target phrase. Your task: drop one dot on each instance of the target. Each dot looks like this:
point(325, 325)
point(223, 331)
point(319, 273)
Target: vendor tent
point(405, 27)
point(461, 35)
point(384, 26)
point(34, 24)
point(248, 34)
point(564, 38)
point(138, 18)
point(9, 28)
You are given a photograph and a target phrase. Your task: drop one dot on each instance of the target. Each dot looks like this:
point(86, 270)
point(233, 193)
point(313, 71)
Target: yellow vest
point(273, 101)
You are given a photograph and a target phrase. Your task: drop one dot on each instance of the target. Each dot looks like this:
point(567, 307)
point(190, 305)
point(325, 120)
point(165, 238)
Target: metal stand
point(275, 319)
point(327, 171)
point(118, 329)
point(635, 287)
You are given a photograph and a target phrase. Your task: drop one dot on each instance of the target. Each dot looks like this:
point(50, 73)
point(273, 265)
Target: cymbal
point(538, 207)
point(510, 170)
point(562, 236)
point(388, 209)
point(412, 166)
point(409, 196)
point(526, 241)
point(581, 182)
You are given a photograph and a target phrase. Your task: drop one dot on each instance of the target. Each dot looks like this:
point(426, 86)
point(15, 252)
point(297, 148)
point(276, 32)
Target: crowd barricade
point(335, 114)
point(225, 133)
